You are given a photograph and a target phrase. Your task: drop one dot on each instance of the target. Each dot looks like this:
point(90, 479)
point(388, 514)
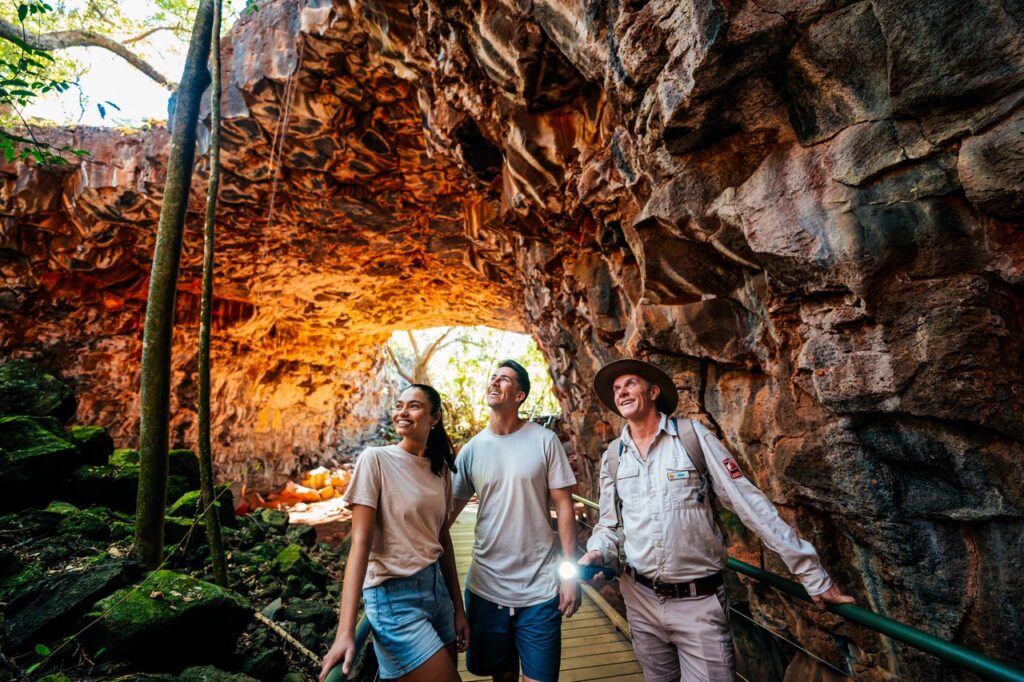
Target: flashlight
point(568, 570)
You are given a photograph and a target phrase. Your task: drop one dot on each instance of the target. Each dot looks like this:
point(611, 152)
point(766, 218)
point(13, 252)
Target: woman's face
point(411, 414)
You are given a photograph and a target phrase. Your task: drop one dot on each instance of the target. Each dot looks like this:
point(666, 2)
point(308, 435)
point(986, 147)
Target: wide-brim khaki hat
point(667, 400)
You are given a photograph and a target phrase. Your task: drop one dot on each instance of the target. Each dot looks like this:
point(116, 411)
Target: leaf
point(29, 670)
point(22, 11)
point(109, 103)
point(42, 650)
point(103, 110)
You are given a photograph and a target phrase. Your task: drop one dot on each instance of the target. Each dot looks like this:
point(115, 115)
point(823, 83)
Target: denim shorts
point(412, 619)
point(504, 636)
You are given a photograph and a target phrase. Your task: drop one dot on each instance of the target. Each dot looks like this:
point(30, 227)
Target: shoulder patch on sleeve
point(732, 467)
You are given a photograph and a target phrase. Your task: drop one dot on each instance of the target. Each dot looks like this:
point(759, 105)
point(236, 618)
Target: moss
point(162, 594)
point(94, 442)
point(288, 558)
point(91, 524)
point(33, 454)
point(20, 580)
point(61, 508)
point(124, 457)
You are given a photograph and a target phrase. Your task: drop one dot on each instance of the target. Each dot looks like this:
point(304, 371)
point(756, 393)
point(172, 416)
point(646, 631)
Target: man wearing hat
point(658, 483)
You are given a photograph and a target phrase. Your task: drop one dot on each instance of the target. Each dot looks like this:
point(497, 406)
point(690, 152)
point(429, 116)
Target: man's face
point(503, 389)
point(634, 396)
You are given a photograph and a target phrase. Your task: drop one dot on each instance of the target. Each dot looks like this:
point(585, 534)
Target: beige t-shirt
point(412, 504)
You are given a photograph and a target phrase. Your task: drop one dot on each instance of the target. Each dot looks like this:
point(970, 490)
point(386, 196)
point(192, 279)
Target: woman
point(401, 556)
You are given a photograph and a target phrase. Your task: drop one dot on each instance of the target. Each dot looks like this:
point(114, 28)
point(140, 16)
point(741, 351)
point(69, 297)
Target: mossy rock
point(302, 534)
point(208, 673)
point(172, 620)
point(94, 442)
point(61, 509)
point(274, 520)
point(32, 459)
point(177, 528)
point(115, 486)
point(293, 565)
point(89, 524)
point(184, 463)
point(52, 606)
point(124, 457)
point(188, 504)
point(56, 677)
point(266, 665)
point(302, 611)
point(25, 389)
point(19, 578)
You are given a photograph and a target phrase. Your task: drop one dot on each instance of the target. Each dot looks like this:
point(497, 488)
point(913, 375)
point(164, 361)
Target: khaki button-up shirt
point(669, 527)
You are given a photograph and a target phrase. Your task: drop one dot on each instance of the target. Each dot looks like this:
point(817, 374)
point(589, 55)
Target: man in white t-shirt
point(515, 599)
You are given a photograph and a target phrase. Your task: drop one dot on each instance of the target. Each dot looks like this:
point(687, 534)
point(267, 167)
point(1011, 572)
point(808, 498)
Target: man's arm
point(569, 589)
point(758, 514)
point(457, 507)
point(603, 545)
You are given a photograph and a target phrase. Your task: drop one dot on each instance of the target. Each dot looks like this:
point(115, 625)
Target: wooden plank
point(593, 644)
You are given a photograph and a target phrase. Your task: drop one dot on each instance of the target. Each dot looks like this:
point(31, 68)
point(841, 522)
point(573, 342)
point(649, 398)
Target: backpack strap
point(695, 451)
point(614, 454)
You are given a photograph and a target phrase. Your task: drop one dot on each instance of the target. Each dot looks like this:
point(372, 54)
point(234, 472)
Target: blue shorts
point(504, 636)
point(412, 619)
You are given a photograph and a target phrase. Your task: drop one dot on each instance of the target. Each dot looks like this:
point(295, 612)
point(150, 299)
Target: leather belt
point(701, 587)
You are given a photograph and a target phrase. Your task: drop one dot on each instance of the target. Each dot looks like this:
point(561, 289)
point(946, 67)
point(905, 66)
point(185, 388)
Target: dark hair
point(439, 446)
point(522, 378)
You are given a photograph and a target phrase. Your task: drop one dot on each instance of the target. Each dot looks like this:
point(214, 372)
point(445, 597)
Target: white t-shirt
point(515, 551)
point(412, 504)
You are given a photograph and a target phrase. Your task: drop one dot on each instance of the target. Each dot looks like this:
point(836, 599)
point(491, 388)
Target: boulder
point(301, 611)
point(116, 485)
point(94, 442)
point(188, 505)
point(171, 620)
point(275, 520)
point(185, 464)
point(268, 664)
point(54, 604)
point(25, 389)
point(208, 673)
point(32, 461)
point(294, 566)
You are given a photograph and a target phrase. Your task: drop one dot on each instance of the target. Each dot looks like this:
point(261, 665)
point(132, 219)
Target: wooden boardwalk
point(592, 647)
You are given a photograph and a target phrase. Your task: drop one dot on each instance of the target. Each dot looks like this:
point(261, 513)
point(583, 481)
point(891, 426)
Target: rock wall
point(809, 213)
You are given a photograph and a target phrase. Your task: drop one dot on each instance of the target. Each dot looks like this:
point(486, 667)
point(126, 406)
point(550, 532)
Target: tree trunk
point(213, 534)
point(156, 338)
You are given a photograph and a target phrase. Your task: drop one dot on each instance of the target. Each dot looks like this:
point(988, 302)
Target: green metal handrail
point(362, 639)
point(976, 662)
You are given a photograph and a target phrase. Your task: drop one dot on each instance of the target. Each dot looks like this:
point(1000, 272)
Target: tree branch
point(398, 367)
point(59, 40)
point(146, 34)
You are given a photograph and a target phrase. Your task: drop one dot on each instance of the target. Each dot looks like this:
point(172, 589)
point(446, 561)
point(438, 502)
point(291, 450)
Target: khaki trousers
point(675, 639)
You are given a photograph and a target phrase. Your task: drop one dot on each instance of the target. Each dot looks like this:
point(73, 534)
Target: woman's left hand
point(461, 632)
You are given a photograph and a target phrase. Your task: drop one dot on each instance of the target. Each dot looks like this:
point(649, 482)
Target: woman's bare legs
point(441, 667)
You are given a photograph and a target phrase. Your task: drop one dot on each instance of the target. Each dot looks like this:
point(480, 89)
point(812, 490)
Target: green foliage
point(461, 369)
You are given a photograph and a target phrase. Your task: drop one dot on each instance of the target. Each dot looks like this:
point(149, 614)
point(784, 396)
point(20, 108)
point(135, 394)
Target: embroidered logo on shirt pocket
point(684, 488)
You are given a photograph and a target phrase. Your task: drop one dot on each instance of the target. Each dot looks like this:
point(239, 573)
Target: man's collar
point(665, 424)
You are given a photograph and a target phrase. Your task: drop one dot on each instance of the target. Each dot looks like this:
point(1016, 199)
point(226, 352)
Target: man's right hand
point(342, 651)
point(593, 558)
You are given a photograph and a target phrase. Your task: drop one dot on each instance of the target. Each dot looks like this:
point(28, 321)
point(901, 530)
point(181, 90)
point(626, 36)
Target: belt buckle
point(663, 590)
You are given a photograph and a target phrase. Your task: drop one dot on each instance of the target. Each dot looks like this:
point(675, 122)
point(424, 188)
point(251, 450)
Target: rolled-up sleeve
point(758, 514)
point(605, 537)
